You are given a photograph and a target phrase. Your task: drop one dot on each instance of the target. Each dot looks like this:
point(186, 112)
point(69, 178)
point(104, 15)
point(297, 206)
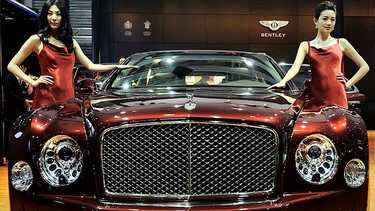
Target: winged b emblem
point(190, 105)
point(274, 25)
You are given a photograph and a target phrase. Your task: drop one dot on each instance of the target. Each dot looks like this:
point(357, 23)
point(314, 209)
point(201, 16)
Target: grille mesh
point(188, 159)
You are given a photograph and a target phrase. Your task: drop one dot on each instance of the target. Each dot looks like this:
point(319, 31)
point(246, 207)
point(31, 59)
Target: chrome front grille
point(178, 159)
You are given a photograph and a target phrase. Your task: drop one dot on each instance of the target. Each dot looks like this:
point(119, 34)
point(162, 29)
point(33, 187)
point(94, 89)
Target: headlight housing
point(22, 176)
point(355, 173)
point(316, 159)
point(60, 161)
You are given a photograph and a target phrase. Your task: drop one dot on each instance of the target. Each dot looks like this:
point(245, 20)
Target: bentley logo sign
point(273, 25)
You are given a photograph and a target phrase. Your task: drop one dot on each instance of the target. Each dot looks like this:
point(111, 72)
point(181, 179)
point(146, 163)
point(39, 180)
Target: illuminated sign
point(273, 25)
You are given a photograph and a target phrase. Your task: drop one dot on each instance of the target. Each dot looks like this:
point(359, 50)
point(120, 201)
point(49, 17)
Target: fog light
point(355, 173)
point(22, 176)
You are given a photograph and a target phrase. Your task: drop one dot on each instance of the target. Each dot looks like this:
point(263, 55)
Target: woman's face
point(326, 22)
point(54, 17)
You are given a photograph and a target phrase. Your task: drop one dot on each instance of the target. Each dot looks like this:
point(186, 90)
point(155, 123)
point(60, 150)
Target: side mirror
point(85, 86)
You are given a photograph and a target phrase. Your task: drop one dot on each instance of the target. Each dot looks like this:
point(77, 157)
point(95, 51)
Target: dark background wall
point(234, 25)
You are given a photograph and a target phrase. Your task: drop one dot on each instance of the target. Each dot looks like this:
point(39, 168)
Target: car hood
point(256, 107)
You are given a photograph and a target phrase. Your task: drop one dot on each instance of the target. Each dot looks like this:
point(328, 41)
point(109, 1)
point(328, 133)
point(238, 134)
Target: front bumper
point(332, 200)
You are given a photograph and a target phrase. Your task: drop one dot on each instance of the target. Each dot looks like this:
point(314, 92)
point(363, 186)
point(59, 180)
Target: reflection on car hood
point(260, 107)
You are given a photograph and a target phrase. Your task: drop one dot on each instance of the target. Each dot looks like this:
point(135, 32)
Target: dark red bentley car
point(189, 130)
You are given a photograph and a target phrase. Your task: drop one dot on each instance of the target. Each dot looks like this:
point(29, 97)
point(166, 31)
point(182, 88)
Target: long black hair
point(65, 33)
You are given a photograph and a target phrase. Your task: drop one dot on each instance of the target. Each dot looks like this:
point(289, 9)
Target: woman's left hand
point(340, 77)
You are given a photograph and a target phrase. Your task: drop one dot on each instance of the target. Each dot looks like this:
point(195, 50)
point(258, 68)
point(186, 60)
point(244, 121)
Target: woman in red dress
point(325, 55)
point(56, 51)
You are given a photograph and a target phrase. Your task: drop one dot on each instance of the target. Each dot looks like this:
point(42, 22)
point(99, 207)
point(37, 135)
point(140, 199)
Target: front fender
point(348, 133)
point(28, 136)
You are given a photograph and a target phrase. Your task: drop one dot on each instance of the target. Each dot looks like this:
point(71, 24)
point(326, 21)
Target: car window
point(198, 70)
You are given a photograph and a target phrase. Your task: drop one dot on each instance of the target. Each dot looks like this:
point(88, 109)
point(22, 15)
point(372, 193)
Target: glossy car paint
point(85, 119)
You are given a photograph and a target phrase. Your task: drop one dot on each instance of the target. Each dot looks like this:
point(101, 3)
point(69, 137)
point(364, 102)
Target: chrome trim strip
point(188, 205)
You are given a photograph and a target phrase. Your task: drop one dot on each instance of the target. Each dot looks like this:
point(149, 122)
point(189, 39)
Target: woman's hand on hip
point(43, 79)
point(340, 77)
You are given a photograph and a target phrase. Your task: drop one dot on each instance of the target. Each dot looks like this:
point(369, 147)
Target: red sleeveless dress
point(325, 89)
point(58, 63)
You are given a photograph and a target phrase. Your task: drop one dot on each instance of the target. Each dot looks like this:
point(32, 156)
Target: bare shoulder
point(34, 38)
point(304, 46)
point(75, 43)
point(345, 44)
point(35, 43)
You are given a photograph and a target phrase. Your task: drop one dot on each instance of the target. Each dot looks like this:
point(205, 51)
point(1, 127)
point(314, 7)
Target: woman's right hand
point(43, 79)
point(281, 84)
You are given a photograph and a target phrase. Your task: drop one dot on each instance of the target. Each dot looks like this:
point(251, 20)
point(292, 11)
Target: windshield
point(161, 70)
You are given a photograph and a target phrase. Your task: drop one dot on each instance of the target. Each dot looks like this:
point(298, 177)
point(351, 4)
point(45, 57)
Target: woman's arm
point(86, 62)
point(301, 54)
point(349, 51)
point(33, 44)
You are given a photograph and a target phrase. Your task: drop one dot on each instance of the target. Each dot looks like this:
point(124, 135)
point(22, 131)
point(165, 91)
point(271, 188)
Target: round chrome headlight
point(60, 161)
point(22, 176)
point(316, 159)
point(355, 173)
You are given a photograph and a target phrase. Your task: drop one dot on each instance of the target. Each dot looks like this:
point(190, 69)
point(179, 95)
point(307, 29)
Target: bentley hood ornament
point(190, 105)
